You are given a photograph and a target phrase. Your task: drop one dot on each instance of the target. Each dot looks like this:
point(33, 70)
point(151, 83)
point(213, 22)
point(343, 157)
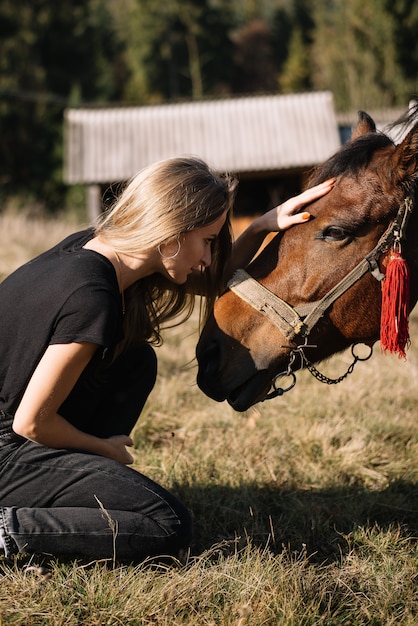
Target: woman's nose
point(207, 257)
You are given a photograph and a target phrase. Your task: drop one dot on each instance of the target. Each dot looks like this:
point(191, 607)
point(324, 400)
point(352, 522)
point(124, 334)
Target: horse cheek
point(360, 322)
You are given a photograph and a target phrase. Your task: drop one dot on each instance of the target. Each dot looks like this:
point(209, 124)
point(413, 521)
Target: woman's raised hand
point(285, 215)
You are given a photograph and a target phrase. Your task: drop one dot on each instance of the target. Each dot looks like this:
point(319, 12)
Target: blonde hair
point(162, 202)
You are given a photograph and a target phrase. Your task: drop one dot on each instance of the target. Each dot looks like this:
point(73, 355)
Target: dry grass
point(305, 507)
point(24, 237)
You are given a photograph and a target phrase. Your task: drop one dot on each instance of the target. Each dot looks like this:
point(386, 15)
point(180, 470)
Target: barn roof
point(249, 134)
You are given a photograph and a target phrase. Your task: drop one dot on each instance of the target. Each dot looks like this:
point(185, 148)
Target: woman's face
point(195, 251)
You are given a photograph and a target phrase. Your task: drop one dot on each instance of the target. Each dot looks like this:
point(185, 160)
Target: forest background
point(55, 55)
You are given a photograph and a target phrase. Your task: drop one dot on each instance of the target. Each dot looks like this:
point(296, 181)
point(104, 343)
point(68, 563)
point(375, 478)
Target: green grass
point(306, 507)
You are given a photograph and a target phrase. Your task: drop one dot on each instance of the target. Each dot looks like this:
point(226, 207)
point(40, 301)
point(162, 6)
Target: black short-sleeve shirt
point(67, 294)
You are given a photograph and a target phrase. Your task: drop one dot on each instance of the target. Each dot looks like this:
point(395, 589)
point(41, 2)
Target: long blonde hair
point(162, 202)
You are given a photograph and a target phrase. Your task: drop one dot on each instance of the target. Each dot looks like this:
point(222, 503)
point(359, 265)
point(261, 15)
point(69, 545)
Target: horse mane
point(351, 158)
point(355, 155)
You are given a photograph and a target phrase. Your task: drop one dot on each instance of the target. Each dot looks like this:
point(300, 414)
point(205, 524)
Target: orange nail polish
point(306, 216)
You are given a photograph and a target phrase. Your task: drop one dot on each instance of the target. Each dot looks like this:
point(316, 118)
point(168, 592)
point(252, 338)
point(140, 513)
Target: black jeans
point(72, 503)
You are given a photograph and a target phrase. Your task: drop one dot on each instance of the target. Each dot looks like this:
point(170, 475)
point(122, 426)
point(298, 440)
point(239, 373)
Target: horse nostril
point(209, 359)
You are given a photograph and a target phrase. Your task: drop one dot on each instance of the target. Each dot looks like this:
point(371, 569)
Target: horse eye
point(335, 233)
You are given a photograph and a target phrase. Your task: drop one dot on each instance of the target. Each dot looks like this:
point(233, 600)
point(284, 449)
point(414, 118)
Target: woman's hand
point(275, 220)
point(118, 451)
point(286, 215)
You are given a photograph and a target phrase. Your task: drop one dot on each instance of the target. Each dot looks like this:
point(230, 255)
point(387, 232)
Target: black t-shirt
point(67, 294)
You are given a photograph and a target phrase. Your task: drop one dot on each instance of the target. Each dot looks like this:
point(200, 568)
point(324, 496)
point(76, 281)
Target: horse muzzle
point(241, 386)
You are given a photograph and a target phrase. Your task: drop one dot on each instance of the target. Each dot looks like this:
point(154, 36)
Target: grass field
point(306, 508)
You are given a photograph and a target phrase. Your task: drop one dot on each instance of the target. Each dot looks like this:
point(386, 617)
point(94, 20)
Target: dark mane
point(351, 157)
point(356, 155)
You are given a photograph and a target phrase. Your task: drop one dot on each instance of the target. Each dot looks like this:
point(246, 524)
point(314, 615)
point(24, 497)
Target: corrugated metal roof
point(248, 134)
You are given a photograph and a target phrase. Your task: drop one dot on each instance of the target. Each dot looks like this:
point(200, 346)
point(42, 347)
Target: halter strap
point(300, 320)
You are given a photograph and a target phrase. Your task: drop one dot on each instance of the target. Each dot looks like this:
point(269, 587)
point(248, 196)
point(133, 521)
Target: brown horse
point(242, 348)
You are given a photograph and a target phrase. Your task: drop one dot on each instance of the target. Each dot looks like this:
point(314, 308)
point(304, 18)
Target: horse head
point(241, 350)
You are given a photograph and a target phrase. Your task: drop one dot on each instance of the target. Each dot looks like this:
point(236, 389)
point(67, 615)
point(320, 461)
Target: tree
point(176, 50)
point(292, 31)
point(50, 55)
point(354, 54)
point(254, 65)
point(295, 76)
point(405, 17)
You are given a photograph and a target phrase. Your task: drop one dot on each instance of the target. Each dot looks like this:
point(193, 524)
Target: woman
point(77, 364)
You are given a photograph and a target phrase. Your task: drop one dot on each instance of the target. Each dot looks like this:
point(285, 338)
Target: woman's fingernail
point(331, 180)
point(305, 216)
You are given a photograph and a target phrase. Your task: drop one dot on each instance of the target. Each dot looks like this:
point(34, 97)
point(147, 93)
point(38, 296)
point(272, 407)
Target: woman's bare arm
point(37, 418)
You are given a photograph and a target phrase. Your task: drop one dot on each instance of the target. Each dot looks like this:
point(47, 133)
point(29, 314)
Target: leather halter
point(298, 322)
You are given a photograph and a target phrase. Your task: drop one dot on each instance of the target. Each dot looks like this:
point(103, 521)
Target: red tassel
point(394, 323)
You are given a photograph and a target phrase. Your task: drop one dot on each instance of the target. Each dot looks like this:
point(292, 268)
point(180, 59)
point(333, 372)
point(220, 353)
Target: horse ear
point(404, 161)
point(365, 125)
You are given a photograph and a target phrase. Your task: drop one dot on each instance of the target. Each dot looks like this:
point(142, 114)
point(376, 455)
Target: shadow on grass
point(317, 522)
point(312, 523)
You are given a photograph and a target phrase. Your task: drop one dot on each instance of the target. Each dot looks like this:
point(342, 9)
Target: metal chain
point(279, 391)
point(325, 379)
point(334, 381)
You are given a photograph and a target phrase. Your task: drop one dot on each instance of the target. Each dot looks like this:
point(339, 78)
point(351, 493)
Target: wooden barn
point(269, 142)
